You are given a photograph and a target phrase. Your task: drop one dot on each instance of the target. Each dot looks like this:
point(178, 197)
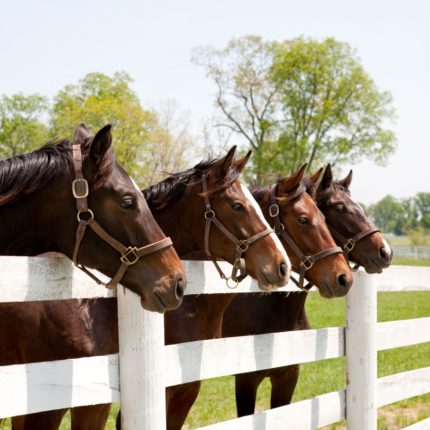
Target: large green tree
point(21, 126)
point(140, 140)
point(300, 100)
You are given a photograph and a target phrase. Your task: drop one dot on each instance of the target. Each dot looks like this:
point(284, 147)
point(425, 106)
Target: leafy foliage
point(21, 126)
point(298, 101)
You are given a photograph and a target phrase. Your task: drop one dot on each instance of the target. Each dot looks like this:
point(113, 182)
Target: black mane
point(27, 173)
point(168, 191)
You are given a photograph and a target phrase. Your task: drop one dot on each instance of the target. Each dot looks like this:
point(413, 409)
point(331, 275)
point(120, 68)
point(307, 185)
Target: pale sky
point(47, 44)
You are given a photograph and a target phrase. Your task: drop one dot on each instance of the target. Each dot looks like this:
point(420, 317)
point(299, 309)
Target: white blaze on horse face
point(135, 185)
point(259, 212)
point(387, 247)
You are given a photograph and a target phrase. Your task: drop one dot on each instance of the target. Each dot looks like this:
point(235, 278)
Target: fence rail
point(60, 384)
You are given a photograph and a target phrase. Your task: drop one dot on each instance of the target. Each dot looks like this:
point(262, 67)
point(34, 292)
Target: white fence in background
point(412, 252)
point(145, 366)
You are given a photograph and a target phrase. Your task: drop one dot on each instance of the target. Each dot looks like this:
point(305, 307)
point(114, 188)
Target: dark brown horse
point(89, 327)
point(283, 313)
point(76, 199)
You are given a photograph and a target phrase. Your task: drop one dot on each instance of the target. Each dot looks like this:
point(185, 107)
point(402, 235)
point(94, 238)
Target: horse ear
point(346, 182)
point(101, 143)
point(326, 179)
point(314, 178)
point(81, 134)
point(290, 183)
point(240, 164)
point(223, 165)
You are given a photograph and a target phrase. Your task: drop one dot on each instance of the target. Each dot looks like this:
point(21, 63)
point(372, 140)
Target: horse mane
point(168, 191)
point(324, 195)
point(259, 192)
point(24, 174)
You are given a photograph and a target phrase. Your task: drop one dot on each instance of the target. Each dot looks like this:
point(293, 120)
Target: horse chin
point(329, 292)
point(155, 304)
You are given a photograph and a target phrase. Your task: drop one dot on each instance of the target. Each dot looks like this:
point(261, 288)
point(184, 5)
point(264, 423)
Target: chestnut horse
point(282, 313)
point(89, 327)
point(58, 198)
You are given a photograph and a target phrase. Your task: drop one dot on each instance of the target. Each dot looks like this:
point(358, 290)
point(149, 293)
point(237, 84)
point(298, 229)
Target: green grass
point(410, 262)
point(216, 400)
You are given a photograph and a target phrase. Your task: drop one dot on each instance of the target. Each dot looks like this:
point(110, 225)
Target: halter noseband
point(129, 255)
point(349, 244)
point(241, 245)
point(306, 261)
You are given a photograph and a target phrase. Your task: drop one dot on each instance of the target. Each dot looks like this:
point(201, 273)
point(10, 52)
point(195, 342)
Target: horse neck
point(29, 224)
point(178, 222)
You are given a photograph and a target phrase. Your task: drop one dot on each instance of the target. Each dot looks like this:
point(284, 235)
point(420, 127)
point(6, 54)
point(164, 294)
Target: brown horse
point(308, 231)
point(58, 198)
point(89, 327)
point(282, 313)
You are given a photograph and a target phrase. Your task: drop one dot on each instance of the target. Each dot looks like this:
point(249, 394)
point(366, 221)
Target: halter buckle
point(349, 245)
point(131, 251)
point(274, 210)
point(242, 246)
point(82, 220)
point(209, 214)
point(307, 263)
point(77, 185)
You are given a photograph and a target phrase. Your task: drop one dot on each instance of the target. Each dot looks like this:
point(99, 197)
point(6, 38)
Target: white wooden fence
point(145, 366)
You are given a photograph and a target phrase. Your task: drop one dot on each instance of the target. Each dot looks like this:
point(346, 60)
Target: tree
point(98, 100)
point(389, 215)
point(299, 101)
point(145, 141)
point(170, 142)
point(422, 205)
point(21, 127)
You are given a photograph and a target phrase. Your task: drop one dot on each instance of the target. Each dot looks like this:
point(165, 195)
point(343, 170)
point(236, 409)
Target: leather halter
point(349, 244)
point(129, 255)
point(241, 245)
point(306, 261)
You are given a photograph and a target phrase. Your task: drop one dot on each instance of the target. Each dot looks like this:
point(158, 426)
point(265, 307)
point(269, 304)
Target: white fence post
point(141, 352)
point(361, 353)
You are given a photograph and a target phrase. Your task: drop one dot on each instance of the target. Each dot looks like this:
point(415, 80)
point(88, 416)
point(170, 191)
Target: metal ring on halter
point(231, 286)
point(85, 221)
point(279, 228)
point(209, 214)
point(274, 210)
point(349, 245)
point(307, 263)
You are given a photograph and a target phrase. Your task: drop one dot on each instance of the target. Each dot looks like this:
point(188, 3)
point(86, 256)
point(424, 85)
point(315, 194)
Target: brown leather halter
point(129, 255)
point(242, 245)
point(306, 261)
point(349, 244)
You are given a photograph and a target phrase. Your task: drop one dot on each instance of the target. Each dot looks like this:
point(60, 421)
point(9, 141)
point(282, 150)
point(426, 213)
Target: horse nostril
point(343, 281)
point(180, 287)
point(283, 270)
point(384, 254)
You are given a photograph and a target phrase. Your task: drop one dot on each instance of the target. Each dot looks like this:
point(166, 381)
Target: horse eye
point(237, 206)
point(302, 220)
point(340, 208)
point(127, 203)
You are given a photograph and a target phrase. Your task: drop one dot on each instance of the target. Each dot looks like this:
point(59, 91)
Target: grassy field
point(216, 399)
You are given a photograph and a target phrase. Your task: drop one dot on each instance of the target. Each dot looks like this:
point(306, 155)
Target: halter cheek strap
point(306, 261)
point(242, 245)
point(129, 255)
point(349, 244)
